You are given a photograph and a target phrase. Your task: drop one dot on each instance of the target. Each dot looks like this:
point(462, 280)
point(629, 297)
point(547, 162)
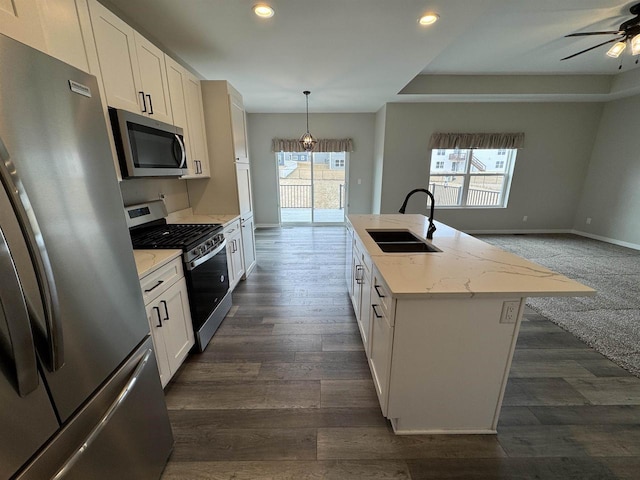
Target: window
point(441, 152)
point(469, 180)
point(338, 163)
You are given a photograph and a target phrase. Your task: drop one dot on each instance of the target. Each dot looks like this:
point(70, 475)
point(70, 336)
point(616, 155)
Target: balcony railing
point(295, 196)
point(299, 196)
point(451, 195)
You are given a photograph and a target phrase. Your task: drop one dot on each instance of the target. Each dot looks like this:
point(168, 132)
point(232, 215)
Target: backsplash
point(139, 190)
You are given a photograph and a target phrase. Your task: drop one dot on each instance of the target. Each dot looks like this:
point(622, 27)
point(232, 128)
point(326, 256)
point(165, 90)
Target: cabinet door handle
point(142, 100)
point(198, 167)
point(375, 312)
point(160, 282)
point(359, 279)
point(150, 105)
point(166, 310)
point(157, 309)
point(378, 291)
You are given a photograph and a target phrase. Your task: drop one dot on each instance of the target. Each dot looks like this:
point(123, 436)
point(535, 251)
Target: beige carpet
point(610, 321)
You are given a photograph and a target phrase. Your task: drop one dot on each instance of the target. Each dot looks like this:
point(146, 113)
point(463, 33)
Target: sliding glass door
point(312, 187)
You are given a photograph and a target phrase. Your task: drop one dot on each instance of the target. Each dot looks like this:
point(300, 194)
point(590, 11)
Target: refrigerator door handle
point(14, 305)
point(102, 423)
point(39, 257)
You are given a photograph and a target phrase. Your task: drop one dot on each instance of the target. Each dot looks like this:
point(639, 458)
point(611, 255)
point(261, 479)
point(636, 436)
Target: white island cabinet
point(439, 329)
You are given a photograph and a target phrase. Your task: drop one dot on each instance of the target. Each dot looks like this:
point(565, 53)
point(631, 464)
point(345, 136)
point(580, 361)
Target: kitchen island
point(439, 328)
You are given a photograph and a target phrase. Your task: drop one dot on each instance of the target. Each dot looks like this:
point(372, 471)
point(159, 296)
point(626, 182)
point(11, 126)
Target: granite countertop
point(148, 260)
point(465, 267)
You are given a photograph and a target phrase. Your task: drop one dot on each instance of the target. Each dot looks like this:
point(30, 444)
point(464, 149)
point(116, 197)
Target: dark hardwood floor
point(284, 392)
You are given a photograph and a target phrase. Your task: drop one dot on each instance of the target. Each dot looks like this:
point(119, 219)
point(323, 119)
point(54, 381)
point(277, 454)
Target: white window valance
point(477, 140)
point(323, 145)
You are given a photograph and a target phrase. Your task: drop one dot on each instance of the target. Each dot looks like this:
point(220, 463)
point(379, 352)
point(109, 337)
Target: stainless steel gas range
point(204, 259)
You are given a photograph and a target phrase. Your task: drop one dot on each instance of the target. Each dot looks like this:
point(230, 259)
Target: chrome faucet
point(432, 227)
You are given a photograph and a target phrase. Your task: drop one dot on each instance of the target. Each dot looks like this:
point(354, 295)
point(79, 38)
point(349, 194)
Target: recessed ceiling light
point(263, 10)
point(428, 19)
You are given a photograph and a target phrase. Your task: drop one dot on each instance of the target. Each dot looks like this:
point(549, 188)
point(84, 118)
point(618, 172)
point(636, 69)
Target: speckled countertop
point(465, 267)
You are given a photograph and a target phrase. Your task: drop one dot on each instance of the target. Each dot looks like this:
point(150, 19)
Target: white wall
point(378, 160)
point(549, 172)
point(611, 194)
point(263, 127)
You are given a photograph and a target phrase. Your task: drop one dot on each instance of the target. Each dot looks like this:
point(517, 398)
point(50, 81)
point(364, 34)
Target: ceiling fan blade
point(591, 48)
point(584, 34)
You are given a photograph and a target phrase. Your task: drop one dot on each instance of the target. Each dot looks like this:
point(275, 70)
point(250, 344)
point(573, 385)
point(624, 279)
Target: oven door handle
point(199, 261)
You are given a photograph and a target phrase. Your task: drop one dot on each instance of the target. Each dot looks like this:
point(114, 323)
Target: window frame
point(509, 156)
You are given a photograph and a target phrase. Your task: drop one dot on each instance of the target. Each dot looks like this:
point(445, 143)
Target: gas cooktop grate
point(172, 236)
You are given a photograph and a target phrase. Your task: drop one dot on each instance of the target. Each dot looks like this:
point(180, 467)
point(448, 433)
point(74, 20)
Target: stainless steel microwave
point(147, 147)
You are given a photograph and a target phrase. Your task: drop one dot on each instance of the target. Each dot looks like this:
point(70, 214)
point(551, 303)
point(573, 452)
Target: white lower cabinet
point(248, 245)
point(167, 306)
point(380, 349)
point(235, 259)
point(359, 285)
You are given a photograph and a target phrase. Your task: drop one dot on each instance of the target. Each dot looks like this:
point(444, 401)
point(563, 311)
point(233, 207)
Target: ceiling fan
point(628, 32)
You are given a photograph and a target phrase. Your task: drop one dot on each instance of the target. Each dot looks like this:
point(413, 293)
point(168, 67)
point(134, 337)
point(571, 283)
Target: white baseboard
point(635, 246)
point(515, 232)
point(267, 225)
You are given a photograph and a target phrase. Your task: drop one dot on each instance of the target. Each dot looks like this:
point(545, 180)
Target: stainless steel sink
point(400, 241)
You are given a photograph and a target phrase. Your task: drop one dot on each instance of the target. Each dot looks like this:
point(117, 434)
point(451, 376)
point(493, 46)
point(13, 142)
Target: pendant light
point(307, 142)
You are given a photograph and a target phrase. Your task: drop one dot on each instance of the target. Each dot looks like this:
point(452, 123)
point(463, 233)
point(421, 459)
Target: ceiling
point(357, 55)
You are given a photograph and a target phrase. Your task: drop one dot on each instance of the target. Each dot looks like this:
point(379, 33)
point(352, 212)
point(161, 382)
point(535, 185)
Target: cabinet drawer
point(156, 282)
point(232, 229)
point(381, 295)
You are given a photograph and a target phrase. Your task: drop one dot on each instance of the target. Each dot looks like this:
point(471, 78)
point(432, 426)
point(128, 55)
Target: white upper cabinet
point(239, 128)
point(154, 79)
point(186, 104)
point(118, 58)
point(67, 31)
point(20, 20)
point(133, 69)
point(175, 80)
point(196, 126)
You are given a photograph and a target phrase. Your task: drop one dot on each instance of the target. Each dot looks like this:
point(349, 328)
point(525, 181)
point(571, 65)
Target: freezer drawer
point(123, 432)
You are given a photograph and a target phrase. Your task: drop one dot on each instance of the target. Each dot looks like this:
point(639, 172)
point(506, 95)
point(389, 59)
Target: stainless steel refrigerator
point(80, 396)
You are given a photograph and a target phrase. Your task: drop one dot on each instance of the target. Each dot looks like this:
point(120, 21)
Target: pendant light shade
point(307, 142)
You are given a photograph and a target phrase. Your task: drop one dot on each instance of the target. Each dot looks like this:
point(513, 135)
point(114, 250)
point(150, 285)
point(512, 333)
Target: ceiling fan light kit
point(635, 45)
point(628, 32)
point(616, 50)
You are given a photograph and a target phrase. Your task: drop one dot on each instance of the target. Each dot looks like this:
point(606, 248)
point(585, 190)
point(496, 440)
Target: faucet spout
point(432, 227)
